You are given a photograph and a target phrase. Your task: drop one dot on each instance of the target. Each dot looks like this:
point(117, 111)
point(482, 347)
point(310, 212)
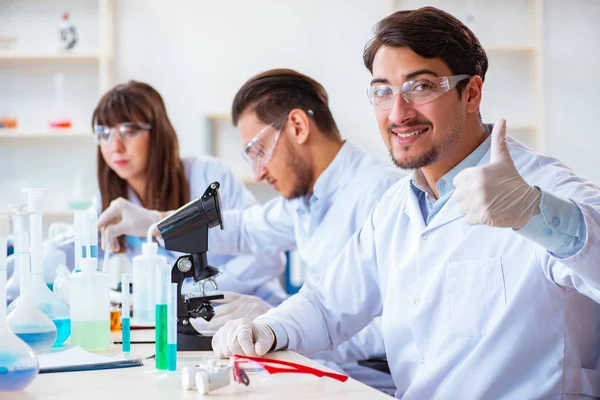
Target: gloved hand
point(123, 217)
point(243, 337)
point(495, 194)
point(233, 306)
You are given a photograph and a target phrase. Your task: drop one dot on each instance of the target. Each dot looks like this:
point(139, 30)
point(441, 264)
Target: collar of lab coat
point(450, 211)
point(336, 175)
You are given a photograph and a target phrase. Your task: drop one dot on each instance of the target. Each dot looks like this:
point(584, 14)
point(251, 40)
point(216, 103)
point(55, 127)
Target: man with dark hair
point(482, 264)
point(328, 188)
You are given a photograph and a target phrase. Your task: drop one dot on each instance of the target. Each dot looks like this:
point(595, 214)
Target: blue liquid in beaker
point(38, 341)
point(14, 377)
point(63, 327)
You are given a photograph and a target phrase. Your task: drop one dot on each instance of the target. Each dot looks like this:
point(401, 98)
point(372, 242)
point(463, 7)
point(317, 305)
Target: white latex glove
point(243, 337)
point(234, 306)
point(123, 217)
point(495, 194)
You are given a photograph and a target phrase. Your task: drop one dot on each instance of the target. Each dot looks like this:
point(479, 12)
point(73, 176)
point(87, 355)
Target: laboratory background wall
point(198, 53)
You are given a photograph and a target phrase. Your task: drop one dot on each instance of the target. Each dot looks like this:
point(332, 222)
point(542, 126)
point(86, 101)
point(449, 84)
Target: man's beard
point(302, 172)
point(421, 161)
point(432, 154)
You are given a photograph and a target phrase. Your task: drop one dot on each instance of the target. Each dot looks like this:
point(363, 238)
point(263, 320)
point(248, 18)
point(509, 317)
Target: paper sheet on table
point(77, 359)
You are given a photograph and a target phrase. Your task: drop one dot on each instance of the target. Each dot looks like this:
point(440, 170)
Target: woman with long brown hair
point(139, 166)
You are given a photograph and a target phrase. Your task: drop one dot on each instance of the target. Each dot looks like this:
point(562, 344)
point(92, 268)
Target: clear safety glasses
point(417, 92)
point(247, 368)
point(259, 150)
point(125, 131)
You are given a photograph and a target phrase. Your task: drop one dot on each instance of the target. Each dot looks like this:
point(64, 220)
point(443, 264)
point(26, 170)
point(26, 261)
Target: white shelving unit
point(8, 133)
point(74, 56)
point(510, 62)
point(223, 142)
point(33, 154)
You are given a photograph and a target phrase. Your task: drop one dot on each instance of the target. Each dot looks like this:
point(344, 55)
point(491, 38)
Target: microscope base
point(195, 342)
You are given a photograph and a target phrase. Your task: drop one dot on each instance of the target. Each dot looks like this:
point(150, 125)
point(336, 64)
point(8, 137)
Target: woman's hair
point(166, 184)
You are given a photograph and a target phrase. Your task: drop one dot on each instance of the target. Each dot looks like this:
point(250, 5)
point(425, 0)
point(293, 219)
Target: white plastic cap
point(202, 382)
point(35, 197)
point(4, 225)
point(149, 249)
point(205, 382)
point(89, 264)
point(188, 378)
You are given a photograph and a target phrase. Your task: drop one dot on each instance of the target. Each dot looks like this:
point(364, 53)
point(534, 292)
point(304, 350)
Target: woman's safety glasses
point(416, 92)
point(246, 369)
point(125, 131)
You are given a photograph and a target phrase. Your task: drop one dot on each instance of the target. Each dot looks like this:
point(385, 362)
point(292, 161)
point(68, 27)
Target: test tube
point(92, 232)
point(78, 222)
point(172, 330)
point(125, 314)
point(163, 280)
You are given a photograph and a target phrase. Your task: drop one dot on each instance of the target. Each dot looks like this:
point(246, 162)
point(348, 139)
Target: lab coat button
point(556, 222)
point(424, 237)
point(416, 301)
point(547, 232)
point(422, 360)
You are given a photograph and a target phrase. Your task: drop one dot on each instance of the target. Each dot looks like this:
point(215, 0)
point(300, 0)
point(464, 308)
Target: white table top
point(147, 383)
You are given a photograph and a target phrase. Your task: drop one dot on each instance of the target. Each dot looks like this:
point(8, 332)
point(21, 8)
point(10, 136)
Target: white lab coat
point(468, 312)
point(318, 227)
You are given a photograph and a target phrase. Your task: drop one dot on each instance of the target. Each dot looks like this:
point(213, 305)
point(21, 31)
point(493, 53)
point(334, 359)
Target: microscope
point(186, 231)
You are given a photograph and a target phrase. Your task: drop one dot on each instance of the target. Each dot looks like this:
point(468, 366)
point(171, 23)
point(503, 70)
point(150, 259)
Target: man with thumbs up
point(484, 264)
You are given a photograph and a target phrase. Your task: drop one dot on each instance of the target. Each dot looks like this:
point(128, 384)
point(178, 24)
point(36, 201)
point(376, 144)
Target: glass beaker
point(18, 363)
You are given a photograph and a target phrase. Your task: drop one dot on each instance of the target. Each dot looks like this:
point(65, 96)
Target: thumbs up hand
point(495, 194)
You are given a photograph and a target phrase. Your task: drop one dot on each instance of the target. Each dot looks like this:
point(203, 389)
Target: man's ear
point(472, 93)
point(299, 120)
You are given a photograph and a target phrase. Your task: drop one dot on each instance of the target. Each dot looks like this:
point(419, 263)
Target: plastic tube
point(150, 233)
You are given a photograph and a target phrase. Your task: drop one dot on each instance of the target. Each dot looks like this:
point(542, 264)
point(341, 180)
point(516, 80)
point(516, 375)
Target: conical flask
point(25, 319)
point(45, 300)
point(18, 363)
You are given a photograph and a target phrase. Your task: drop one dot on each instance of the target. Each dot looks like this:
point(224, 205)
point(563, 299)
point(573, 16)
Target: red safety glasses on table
point(243, 365)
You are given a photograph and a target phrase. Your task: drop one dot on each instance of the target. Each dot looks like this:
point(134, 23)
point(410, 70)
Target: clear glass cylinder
point(144, 284)
point(163, 280)
point(172, 328)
